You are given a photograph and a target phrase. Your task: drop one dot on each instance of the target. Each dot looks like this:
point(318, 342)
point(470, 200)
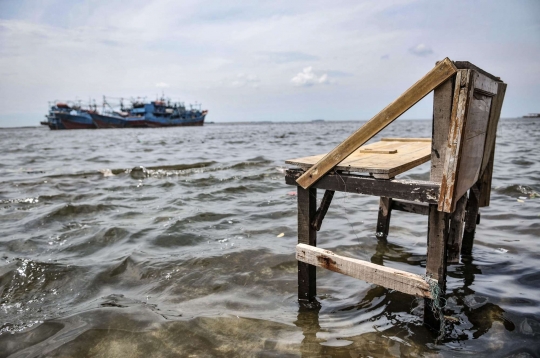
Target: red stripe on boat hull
point(75, 125)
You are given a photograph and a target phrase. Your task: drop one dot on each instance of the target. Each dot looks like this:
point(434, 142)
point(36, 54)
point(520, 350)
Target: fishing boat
point(159, 113)
point(65, 115)
point(532, 115)
point(140, 113)
point(77, 118)
point(53, 121)
point(113, 118)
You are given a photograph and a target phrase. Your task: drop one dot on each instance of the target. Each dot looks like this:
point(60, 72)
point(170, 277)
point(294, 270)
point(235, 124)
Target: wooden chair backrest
point(465, 117)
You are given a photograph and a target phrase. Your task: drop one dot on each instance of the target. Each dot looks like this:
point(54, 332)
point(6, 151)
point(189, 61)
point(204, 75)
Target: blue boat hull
point(76, 121)
point(105, 121)
point(180, 122)
point(54, 123)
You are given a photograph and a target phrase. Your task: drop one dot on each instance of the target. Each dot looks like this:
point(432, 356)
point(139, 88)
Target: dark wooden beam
point(436, 261)
point(471, 219)
point(455, 236)
point(413, 190)
point(383, 221)
point(307, 206)
point(410, 207)
point(322, 210)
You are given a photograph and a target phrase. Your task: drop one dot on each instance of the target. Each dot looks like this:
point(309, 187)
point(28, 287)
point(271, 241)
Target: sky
point(259, 60)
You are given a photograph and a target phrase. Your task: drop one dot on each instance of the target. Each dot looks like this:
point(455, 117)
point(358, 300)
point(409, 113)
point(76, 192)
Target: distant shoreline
point(315, 121)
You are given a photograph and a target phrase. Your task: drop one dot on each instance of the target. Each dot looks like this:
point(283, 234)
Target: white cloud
point(162, 85)
point(421, 50)
point(309, 78)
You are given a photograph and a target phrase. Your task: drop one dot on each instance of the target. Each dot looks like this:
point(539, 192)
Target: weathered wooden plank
point(383, 221)
point(369, 159)
point(443, 97)
point(436, 260)
point(466, 65)
point(471, 218)
point(485, 182)
point(467, 139)
point(390, 278)
point(484, 84)
point(494, 115)
point(460, 107)
point(455, 235)
point(413, 190)
point(405, 139)
point(489, 148)
point(473, 143)
point(437, 240)
point(410, 207)
point(307, 206)
point(380, 151)
point(322, 210)
point(441, 72)
point(412, 160)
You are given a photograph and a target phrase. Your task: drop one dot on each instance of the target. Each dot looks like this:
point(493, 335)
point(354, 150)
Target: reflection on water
point(184, 256)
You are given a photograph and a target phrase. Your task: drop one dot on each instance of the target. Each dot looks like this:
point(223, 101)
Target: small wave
point(70, 210)
point(517, 190)
point(31, 291)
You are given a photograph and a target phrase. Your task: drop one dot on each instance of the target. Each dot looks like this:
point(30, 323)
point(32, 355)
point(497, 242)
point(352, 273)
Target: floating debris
point(451, 319)
point(106, 172)
point(281, 235)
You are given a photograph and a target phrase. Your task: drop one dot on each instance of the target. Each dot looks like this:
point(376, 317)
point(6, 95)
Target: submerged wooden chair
point(466, 110)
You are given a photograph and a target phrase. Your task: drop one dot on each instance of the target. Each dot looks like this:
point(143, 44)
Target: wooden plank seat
point(384, 159)
point(467, 103)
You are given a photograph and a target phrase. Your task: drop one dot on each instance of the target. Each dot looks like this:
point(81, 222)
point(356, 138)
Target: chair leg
point(307, 207)
point(456, 231)
point(436, 260)
point(471, 219)
point(383, 221)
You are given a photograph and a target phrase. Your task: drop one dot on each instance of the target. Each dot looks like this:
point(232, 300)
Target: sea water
point(193, 254)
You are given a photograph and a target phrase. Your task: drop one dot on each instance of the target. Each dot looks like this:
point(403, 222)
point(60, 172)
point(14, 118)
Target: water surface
point(184, 259)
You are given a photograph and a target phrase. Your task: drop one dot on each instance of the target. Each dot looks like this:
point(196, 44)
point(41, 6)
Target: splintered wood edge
point(440, 73)
point(378, 151)
point(390, 278)
point(405, 139)
point(460, 107)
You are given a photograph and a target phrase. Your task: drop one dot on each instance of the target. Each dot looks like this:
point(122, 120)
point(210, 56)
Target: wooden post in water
point(443, 97)
point(383, 221)
point(456, 231)
point(471, 219)
point(307, 208)
point(436, 261)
